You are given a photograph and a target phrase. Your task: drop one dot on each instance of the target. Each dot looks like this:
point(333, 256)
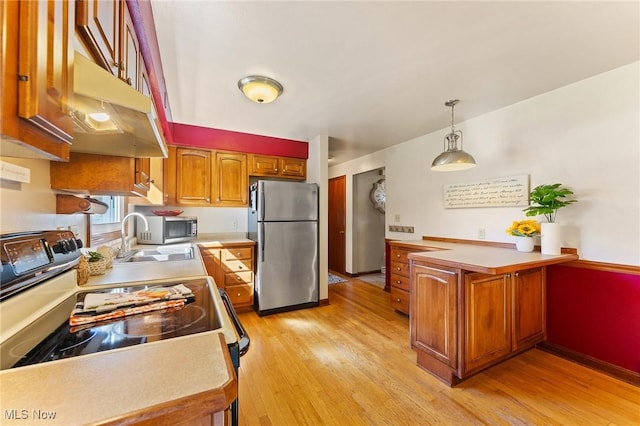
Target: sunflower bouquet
point(524, 228)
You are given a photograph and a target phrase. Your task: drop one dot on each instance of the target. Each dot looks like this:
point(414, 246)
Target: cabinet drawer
point(240, 294)
point(399, 255)
point(400, 282)
point(237, 265)
point(401, 269)
point(400, 300)
point(236, 253)
point(235, 278)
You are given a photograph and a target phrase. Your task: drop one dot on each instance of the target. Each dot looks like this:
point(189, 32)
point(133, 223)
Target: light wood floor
point(349, 363)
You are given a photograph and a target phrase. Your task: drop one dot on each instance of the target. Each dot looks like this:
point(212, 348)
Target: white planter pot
point(524, 244)
point(551, 238)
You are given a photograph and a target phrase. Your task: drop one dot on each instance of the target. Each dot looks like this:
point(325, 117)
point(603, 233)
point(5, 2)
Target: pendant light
point(453, 158)
point(260, 89)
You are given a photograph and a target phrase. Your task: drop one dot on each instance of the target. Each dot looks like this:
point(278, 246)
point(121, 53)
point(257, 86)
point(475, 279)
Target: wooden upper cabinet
point(281, 167)
point(131, 59)
point(97, 175)
point(230, 179)
point(293, 168)
point(193, 176)
point(99, 24)
point(45, 57)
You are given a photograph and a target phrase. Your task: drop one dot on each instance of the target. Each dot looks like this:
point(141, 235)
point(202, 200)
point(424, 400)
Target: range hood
point(110, 117)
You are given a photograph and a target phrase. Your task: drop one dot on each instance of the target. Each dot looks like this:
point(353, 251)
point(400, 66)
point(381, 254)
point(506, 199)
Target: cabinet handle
point(399, 268)
point(238, 294)
point(398, 256)
point(240, 267)
point(208, 200)
point(129, 81)
point(517, 274)
point(397, 300)
point(398, 282)
point(276, 170)
point(238, 254)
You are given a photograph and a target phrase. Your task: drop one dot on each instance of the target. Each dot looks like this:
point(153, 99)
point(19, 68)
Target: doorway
point(337, 223)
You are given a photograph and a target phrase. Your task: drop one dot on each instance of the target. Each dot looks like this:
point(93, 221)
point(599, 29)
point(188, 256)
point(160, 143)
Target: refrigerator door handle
point(262, 241)
point(262, 203)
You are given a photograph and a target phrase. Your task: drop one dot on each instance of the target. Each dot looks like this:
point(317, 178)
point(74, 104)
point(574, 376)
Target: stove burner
point(77, 339)
point(159, 324)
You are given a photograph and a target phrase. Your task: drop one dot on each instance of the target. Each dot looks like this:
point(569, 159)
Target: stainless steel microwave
point(167, 229)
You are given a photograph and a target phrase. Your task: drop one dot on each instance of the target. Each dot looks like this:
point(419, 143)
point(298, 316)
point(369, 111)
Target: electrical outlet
point(234, 225)
point(481, 233)
point(74, 229)
point(397, 219)
point(398, 228)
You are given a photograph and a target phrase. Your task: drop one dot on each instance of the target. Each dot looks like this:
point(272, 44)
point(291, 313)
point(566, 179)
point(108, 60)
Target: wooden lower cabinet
point(399, 278)
point(463, 322)
point(231, 267)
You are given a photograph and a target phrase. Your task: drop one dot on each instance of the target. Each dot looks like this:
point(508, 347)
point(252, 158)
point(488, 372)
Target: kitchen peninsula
point(474, 305)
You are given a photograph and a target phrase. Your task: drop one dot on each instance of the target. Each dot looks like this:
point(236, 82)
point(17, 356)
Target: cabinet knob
point(238, 254)
point(276, 170)
point(398, 300)
point(398, 256)
point(240, 267)
point(399, 268)
point(238, 294)
point(398, 282)
point(129, 81)
point(517, 274)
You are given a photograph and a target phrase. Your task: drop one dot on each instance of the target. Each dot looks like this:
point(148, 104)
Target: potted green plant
point(546, 200)
point(97, 263)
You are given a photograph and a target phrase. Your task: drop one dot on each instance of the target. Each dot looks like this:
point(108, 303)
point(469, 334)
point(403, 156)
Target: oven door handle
point(245, 341)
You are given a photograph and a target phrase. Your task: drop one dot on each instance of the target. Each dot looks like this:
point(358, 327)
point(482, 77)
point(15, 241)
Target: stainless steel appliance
point(167, 229)
point(34, 316)
point(283, 220)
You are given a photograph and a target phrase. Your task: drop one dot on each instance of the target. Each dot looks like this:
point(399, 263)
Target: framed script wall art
point(511, 191)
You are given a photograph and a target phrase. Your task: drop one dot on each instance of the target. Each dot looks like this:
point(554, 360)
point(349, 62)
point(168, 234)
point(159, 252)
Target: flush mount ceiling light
point(453, 158)
point(260, 89)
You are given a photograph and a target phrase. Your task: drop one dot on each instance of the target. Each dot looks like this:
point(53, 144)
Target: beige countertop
point(134, 381)
point(479, 257)
point(150, 381)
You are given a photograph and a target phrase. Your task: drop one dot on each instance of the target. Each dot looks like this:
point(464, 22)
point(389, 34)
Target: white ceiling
point(374, 74)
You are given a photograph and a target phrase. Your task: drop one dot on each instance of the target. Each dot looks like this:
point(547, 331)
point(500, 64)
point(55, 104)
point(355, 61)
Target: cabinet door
point(529, 312)
point(231, 181)
point(211, 260)
point(434, 313)
point(263, 165)
point(193, 182)
point(488, 319)
point(96, 174)
point(99, 23)
point(293, 168)
point(45, 84)
point(170, 176)
point(143, 173)
point(130, 70)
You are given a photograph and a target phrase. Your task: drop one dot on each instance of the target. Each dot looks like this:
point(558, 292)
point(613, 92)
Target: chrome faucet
point(123, 243)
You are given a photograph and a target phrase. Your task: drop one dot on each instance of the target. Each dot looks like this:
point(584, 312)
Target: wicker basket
point(98, 267)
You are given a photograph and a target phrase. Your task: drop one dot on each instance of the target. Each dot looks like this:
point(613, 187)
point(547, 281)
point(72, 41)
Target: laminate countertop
point(479, 258)
point(168, 381)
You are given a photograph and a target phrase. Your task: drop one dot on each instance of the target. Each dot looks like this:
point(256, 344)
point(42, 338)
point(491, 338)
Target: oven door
point(236, 349)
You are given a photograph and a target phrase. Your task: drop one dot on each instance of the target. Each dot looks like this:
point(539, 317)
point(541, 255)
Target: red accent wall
point(205, 137)
point(595, 313)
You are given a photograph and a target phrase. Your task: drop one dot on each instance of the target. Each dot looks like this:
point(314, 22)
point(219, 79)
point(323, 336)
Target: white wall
point(585, 135)
point(368, 226)
point(32, 206)
point(317, 172)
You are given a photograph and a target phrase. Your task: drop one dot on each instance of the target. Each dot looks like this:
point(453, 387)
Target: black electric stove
point(67, 341)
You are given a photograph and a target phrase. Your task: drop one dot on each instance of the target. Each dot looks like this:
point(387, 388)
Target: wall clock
point(378, 195)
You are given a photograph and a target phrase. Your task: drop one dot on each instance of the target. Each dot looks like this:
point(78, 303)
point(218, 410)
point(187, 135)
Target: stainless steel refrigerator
point(283, 221)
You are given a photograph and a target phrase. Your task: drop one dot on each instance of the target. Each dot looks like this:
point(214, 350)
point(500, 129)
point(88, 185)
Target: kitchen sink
point(159, 254)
